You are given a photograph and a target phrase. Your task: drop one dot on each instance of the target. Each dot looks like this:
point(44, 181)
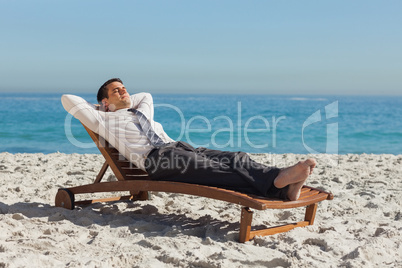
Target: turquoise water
point(33, 123)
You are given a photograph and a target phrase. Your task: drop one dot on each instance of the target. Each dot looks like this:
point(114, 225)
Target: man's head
point(112, 95)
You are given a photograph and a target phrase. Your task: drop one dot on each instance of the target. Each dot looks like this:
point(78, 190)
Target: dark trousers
point(180, 162)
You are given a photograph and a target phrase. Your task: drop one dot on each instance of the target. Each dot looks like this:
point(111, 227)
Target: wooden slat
point(279, 204)
point(330, 195)
point(304, 190)
point(308, 194)
point(134, 172)
point(171, 187)
point(198, 190)
point(110, 199)
point(277, 229)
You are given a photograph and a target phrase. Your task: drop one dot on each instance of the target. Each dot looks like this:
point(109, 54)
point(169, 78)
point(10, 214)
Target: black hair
point(102, 92)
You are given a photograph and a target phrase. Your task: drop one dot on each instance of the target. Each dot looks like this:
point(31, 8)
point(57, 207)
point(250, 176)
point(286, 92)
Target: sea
point(300, 124)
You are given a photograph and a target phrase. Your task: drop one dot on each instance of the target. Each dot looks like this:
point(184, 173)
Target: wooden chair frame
point(137, 182)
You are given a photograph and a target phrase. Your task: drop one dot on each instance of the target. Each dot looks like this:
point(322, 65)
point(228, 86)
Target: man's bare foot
point(295, 190)
point(295, 176)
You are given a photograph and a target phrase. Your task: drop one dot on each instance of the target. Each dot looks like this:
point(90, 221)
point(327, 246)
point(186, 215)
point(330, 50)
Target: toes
point(311, 162)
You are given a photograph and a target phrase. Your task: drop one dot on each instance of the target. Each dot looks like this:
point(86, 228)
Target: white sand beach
point(362, 226)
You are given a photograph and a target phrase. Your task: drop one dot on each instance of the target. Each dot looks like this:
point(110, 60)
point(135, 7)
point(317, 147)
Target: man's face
point(118, 97)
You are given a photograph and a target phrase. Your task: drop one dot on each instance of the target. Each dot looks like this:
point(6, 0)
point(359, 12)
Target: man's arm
point(144, 103)
point(83, 111)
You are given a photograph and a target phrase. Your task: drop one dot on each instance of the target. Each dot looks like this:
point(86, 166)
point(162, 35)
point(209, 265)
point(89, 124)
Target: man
point(121, 122)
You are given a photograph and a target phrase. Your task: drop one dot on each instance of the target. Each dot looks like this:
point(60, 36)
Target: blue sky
point(271, 47)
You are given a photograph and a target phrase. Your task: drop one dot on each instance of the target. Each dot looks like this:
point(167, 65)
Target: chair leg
point(246, 217)
point(310, 213)
point(101, 172)
point(245, 224)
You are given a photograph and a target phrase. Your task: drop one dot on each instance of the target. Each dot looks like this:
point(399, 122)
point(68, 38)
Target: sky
point(242, 47)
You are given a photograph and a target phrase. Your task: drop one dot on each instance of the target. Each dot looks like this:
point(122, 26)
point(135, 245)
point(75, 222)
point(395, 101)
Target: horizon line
point(217, 93)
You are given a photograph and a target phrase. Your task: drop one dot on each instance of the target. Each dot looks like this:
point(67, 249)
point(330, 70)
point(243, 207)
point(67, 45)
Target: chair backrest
point(121, 167)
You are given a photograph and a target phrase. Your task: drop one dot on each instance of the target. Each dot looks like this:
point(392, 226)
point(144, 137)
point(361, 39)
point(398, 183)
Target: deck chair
point(137, 182)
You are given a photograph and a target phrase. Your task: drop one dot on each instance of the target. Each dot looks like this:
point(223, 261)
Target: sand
point(362, 226)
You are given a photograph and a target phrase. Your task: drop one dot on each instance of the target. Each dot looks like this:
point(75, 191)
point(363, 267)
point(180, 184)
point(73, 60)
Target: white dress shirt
point(120, 128)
